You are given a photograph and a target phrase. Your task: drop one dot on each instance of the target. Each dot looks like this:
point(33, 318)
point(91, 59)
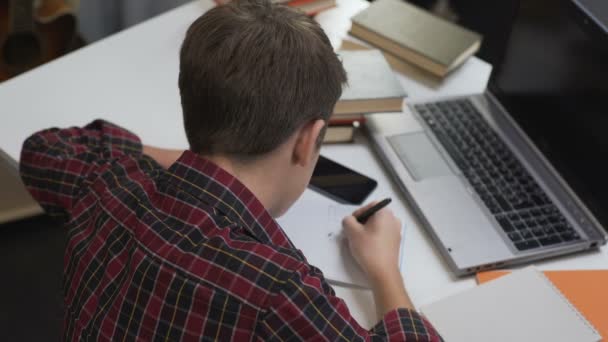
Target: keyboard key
point(523, 204)
point(526, 234)
point(505, 224)
point(514, 236)
point(525, 245)
point(550, 240)
point(570, 236)
point(520, 225)
point(538, 232)
point(504, 205)
point(548, 230)
point(538, 200)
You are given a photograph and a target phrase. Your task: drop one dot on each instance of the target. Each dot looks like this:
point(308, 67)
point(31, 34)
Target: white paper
point(521, 306)
point(314, 225)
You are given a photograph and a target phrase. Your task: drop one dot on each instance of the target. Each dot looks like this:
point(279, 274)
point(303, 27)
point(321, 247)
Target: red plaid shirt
point(187, 253)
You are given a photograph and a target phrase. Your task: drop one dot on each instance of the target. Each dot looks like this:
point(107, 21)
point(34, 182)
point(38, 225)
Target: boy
point(183, 245)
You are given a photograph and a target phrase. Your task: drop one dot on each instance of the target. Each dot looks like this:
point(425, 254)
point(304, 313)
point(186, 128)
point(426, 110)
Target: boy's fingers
point(351, 226)
point(363, 209)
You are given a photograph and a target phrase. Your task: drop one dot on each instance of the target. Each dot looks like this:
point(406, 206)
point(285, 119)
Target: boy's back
point(168, 245)
point(183, 253)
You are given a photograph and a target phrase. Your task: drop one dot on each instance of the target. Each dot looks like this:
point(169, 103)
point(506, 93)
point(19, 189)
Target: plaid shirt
point(187, 253)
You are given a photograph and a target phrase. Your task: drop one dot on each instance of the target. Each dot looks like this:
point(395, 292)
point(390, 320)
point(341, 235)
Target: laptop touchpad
point(419, 156)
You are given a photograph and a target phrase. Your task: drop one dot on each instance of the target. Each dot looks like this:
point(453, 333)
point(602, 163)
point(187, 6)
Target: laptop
point(518, 173)
point(15, 201)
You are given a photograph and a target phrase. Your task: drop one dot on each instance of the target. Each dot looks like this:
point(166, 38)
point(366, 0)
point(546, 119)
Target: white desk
point(131, 79)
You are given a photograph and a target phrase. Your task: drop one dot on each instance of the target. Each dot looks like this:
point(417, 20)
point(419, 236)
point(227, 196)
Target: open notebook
point(521, 306)
point(585, 289)
point(314, 225)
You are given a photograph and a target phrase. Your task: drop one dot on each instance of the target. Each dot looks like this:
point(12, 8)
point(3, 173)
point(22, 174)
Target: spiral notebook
point(585, 289)
point(521, 306)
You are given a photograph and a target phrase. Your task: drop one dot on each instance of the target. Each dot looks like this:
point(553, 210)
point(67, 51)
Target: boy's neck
point(259, 176)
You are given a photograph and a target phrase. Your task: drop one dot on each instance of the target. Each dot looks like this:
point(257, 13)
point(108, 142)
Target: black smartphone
point(340, 183)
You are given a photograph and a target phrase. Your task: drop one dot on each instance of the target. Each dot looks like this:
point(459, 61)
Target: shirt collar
point(213, 185)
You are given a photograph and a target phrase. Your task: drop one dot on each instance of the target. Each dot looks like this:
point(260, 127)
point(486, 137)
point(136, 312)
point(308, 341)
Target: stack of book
point(342, 128)
point(372, 88)
point(310, 7)
point(416, 36)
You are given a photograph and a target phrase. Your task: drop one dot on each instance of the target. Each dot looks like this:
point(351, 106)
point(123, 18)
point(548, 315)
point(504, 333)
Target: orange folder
point(587, 290)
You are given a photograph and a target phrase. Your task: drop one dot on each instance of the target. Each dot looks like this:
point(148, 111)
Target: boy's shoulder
point(244, 271)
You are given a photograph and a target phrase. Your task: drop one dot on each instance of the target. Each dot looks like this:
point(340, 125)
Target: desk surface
point(131, 79)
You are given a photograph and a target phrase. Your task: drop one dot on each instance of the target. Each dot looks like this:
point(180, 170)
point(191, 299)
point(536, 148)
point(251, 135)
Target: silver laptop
point(15, 201)
point(518, 173)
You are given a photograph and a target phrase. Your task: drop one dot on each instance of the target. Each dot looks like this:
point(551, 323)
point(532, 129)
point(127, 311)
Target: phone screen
point(340, 183)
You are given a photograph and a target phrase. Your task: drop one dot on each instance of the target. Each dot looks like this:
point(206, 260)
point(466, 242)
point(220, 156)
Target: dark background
point(31, 268)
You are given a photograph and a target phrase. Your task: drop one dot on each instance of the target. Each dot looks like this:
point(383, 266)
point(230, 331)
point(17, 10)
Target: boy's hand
point(375, 244)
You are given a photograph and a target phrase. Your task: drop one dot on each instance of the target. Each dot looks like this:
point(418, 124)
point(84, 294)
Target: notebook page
point(314, 225)
point(521, 306)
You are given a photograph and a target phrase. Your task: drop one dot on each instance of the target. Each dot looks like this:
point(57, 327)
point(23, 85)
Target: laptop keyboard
point(520, 206)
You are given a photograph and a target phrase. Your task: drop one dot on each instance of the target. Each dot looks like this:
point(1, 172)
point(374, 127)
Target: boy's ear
point(306, 146)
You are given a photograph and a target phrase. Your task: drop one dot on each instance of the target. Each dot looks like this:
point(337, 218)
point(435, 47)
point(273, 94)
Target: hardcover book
point(415, 35)
point(372, 86)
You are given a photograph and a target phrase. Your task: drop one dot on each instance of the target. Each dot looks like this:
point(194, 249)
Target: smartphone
point(340, 183)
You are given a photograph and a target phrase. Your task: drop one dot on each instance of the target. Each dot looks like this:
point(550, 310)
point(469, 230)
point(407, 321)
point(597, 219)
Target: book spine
point(346, 122)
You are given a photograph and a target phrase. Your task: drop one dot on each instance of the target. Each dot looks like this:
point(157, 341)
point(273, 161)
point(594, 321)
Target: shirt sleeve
point(306, 309)
point(56, 164)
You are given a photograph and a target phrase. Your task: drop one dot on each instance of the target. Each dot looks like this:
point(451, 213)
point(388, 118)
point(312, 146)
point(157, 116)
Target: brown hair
point(251, 73)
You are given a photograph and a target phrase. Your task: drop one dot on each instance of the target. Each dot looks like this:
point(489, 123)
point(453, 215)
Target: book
point(585, 289)
point(399, 65)
point(342, 129)
point(372, 86)
point(415, 35)
point(339, 134)
point(521, 306)
point(312, 7)
point(347, 119)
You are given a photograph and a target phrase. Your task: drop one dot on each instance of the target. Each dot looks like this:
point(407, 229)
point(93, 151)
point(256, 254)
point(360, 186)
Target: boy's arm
point(56, 164)
point(375, 245)
point(306, 308)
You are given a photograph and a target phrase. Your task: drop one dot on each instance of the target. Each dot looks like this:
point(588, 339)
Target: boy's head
point(258, 82)
point(251, 74)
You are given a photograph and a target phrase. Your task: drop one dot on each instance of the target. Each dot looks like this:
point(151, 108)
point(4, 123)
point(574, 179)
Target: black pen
point(371, 211)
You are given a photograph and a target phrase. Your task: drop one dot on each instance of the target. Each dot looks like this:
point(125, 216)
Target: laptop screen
point(553, 79)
